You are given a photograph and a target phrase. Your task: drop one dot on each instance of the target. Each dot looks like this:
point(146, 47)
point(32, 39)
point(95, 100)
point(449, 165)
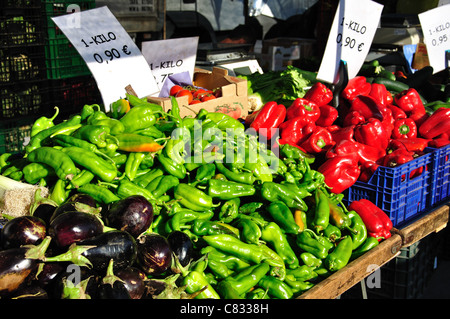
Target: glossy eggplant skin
point(57, 291)
point(117, 245)
point(133, 214)
point(134, 280)
point(182, 246)
point(71, 227)
point(115, 291)
point(23, 230)
point(15, 269)
point(154, 253)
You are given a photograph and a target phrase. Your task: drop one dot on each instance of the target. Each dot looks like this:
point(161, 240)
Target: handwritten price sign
point(113, 58)
point(350, 38)
point(436, 31)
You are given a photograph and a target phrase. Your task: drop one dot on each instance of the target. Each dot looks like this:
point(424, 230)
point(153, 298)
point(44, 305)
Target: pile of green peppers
point(261, 228)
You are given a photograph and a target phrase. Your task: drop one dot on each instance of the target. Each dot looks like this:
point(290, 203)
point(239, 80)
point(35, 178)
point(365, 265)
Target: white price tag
point(171, 56)
point(351, 36)
point(113, 58)
point(436, 31)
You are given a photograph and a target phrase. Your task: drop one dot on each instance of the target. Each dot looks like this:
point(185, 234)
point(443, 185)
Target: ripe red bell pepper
point(362, 152)
point(372, 133)
point(353, 118)
point(368, 107)
point(343, 133)
point(437, 124)
point(340, 172)
point(404, 128)
point(320, 140)
point(397, 158)
point(380, 93)
point(269, 118)
point(368, 168)
point(328, 115)
point(356, 86)
point(303, 108)
point(319, 93)
point(411, 144)
point(377, 222)
point(440, 141)
point(408, 100)
point(297, 129)
point(397, 113)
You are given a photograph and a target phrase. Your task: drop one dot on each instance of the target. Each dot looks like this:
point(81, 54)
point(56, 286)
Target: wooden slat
point(357, 270)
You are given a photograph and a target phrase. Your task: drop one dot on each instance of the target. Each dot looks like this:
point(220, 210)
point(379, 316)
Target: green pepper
point(272, 192)
point(135, 101)
point(298, 286)
point(4, 160)
point(276, 287)
point(101, 168)
point(360, 230)
point(275, 261)
point(222, 120)
point(152, 132)
point(257, 293)
point(43, 123)
point(115, 126)
point(273, 234)
point(239, 177)
point(307, 242)
point(258, 167)
point(145, 179)
point(227, 291)
point(88, 110)
point(153, 185)
point(208, 227)
point(95, 134)
point(127, 188)
point(132, 164)
point(100, 193)
point(40, 138)
point(229, 210)
point(61, 163)
point(302, 273)
point(175, 150)
point(59, 193)
point(250, 230)
point(310, 260)
point(227, 190)
point(84, 177)
point(292, 152)
point(96, 116)
point(247, 278)
point(233, 246)
point(321, 212)
point(138, 118)
point(300, 219)
point(33, 172)
point(192, 197)
point(221, 264)
point(177, 170)
point(368, 244)
point(185, 216)
point(205, 172)
point(283, 216)
point(194, 281)
point(167, 183)
point(148, 161)
point(69, 140)
point(340, 256)
point(119, 108)
point(332, 233)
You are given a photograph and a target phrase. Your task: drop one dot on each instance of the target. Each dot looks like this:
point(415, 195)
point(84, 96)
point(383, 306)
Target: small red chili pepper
point(304, 108)
point(269, 118)
point(404, 128)
point(340, 172)
point(437, 124)
point(356, 86)
point(372, 133)
point(328, 115)
point(319, 93)
point(297, 129)
point(318, 141)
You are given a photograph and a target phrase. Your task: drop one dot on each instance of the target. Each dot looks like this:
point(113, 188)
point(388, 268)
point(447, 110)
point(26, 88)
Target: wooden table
point(356, 271)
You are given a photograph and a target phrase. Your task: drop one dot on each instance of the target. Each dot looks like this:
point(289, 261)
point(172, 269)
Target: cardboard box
point(233, 101)
point(278, 53)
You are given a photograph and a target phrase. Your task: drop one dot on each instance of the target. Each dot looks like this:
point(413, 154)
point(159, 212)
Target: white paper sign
point(171, 56)
point(436, 31)
point(113, 58)
point(351, 36)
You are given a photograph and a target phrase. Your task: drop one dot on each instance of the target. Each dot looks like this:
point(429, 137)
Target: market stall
point(255, 185)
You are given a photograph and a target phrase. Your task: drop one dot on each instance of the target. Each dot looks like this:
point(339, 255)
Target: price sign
point(350, 38)
point(113, 58)
point(171, 56)
point(436, 31)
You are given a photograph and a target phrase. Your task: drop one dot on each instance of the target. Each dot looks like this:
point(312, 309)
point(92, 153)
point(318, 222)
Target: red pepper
point(304, 108)
point(375, 219)
point(328, 114)
point(397, 158)
point(340, 172)
point(368, 168)
point(437, 124)
point(296, 130)
point(343, 133)
point(362, 152)
point(356, 86)
point(411, 144)
point(384, 234)
point(268, 119)
point(372, 133)
point(440, 141)
point(397, 113)
point(380, 93)
point(404, 128)
point(368, 107)
point(318, 141)
point(353, 118)
point(319, 93)
point(408, 100)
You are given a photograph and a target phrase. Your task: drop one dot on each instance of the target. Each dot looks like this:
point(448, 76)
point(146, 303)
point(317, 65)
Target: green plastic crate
point(14, 135)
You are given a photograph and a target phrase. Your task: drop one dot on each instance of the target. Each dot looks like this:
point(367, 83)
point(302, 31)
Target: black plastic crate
point(15, 134)
point(71, 94)
point(22, 65)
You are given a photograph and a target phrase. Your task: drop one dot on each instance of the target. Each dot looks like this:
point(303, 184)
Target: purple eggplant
point(71, 227)
point(74, 207)
point(17, 265)
point(133, 214)
point(43, 207)
point(154, 253)
point(33, 291)
point(112, 287)
point(97, 251)
point(181, 245)
point(75, 282)
point(23, 230)
point(134, 280)
point(82, 198)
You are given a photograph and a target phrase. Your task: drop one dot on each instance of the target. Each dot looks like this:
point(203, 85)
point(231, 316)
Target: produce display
point(148, 204)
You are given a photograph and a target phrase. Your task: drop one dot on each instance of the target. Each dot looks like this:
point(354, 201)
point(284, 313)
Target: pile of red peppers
point(376, 128)
point(378, 224)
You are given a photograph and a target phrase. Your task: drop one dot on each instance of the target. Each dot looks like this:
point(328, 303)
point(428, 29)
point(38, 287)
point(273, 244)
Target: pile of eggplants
point(82, 250)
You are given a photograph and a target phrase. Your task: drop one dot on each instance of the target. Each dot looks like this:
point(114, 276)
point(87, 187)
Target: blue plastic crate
point(400, 193)
point(441, 175)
